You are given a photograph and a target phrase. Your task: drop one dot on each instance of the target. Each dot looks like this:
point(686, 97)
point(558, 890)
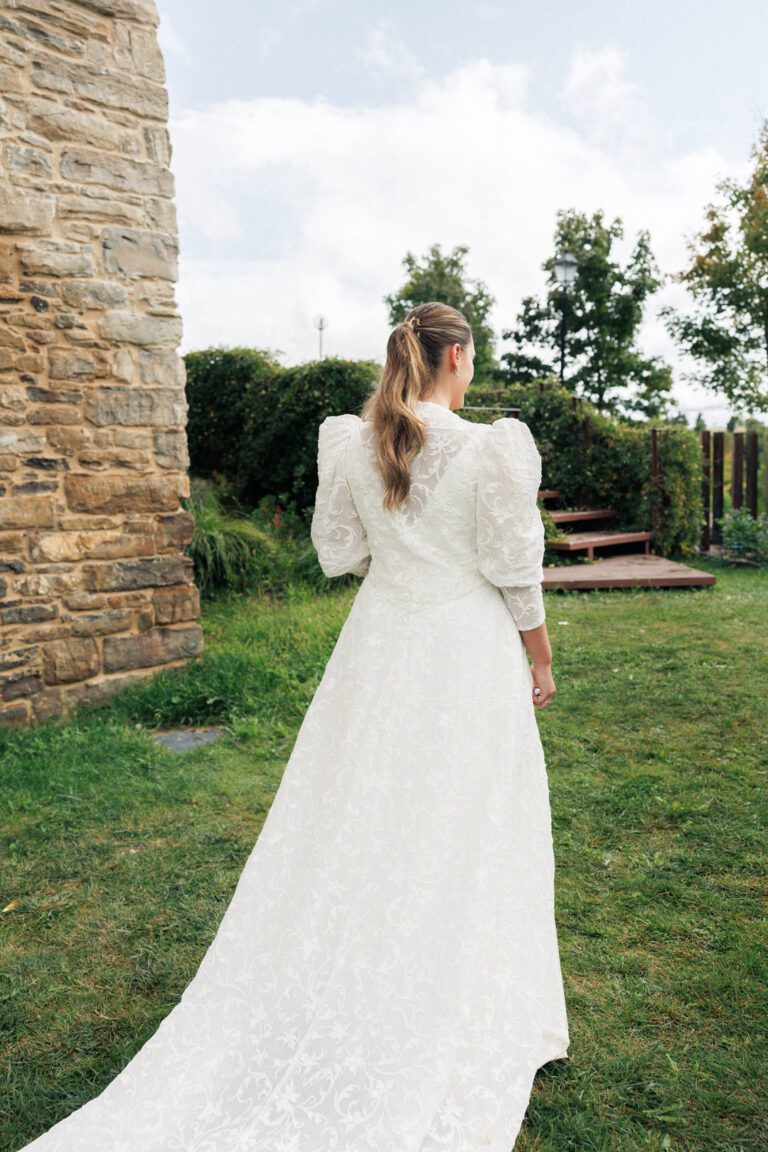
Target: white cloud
point(385, 53)
point(596, 87)
point(288, 208)
point(171, 42)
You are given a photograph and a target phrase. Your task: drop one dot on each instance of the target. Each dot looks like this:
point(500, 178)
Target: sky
point(316, 142)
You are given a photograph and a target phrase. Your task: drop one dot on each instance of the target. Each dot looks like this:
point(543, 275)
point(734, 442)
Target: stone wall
point(95, 591)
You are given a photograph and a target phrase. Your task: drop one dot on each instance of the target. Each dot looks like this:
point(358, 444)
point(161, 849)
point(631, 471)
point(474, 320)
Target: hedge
point(255, 423)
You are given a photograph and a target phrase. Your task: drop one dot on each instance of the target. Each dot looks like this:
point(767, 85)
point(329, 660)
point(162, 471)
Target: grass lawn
point(120, 857)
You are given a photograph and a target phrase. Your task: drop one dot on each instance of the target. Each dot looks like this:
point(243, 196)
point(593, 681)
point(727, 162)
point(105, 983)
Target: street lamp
point(321, 323)
point(566, 267)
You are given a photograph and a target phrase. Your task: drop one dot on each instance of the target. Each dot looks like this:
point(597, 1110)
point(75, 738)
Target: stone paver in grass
point(182, 739)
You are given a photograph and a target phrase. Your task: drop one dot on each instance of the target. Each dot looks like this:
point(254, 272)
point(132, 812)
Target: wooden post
point(737, 470)
point(718, 455)
point(575, 414)
point(655, 480)
point(706, 489)
point(753, 461)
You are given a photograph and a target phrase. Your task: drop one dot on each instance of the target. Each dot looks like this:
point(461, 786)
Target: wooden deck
point(633, 570)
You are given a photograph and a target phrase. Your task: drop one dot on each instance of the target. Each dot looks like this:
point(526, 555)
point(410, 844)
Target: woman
point(386, 977)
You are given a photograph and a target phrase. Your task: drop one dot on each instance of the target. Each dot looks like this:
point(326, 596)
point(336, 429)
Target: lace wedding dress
point(386, 977)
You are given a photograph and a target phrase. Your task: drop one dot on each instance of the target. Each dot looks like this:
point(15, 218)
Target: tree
point(728, 279)
point(444, 278)
point(604, 312)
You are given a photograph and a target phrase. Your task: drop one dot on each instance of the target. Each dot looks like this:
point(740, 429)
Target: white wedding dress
point(386, 977)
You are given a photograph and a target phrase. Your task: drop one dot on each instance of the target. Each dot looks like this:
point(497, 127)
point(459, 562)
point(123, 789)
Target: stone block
point(30, 163)
point(171, 450)
point(13, 399)
point(103, 623)
point(173, 605)
point(174, 531)
point(100, 208)
point(32, 512)
point(54, 414)
point(57, 122)
point(54, 258)
point(22, 210)
point(108, 89)
point(116, 172)
point(125, 575)
point(54, 395)
point(131, 252)
point(158, 646)
point(19, 657)
point(68, 364)
point(75, 658)
point(139, 329)
point(126, 404)
point(28, 613)
point(84, 601)
point(96, 494)
point(161, 366)
point(18, 686)
point(23, 440)
point(15, 715)
point(93, 294)
point(11, 547)
point(93, 693)
point(48, 703)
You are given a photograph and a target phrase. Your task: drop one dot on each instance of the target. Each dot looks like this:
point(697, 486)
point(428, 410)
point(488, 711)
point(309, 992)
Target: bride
point(386, 977)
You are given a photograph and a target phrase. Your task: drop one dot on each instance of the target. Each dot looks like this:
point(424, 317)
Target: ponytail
point(414, 354)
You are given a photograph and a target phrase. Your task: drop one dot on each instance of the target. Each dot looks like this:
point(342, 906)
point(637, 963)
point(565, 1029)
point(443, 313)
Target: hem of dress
point(560, 1052)
point(555, 1049)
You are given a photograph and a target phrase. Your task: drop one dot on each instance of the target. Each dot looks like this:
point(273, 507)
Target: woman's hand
point(542, 679)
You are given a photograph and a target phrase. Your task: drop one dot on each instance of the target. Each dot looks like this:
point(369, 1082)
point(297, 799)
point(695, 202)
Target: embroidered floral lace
point(506, 475)
point(386, 976)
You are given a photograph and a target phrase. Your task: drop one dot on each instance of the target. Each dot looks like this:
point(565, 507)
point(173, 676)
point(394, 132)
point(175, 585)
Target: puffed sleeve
point(510, 531)
point(337, 531)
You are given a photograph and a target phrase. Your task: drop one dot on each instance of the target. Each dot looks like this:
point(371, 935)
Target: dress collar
point(435, 412)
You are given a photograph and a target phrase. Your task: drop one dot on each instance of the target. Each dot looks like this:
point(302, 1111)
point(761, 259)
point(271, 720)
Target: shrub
point(229, 550)
point(745, 537)
point(263, 549)
point(256, 423)
point(224, 386)
point(615, 471)
point(279, 454)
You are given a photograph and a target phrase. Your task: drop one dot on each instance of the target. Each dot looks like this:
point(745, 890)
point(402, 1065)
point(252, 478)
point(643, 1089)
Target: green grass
point(123, 855)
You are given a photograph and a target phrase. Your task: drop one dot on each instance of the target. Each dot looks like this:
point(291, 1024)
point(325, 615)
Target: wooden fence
point(743, 481)
point(744, 473)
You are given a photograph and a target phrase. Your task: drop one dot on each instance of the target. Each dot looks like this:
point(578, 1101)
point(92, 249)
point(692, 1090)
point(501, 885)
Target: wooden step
point(588, 541)
point(565, 516)
point(633, 570)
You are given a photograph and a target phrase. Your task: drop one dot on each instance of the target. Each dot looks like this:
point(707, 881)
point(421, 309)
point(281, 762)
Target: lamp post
point(321, 323)
point(566, 267)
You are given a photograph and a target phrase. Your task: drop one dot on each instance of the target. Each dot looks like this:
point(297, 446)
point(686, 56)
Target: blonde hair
point(414, 354)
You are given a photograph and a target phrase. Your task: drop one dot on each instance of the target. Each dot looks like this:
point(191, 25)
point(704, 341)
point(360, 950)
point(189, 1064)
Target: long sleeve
point(510, 531)
point(337, 532)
